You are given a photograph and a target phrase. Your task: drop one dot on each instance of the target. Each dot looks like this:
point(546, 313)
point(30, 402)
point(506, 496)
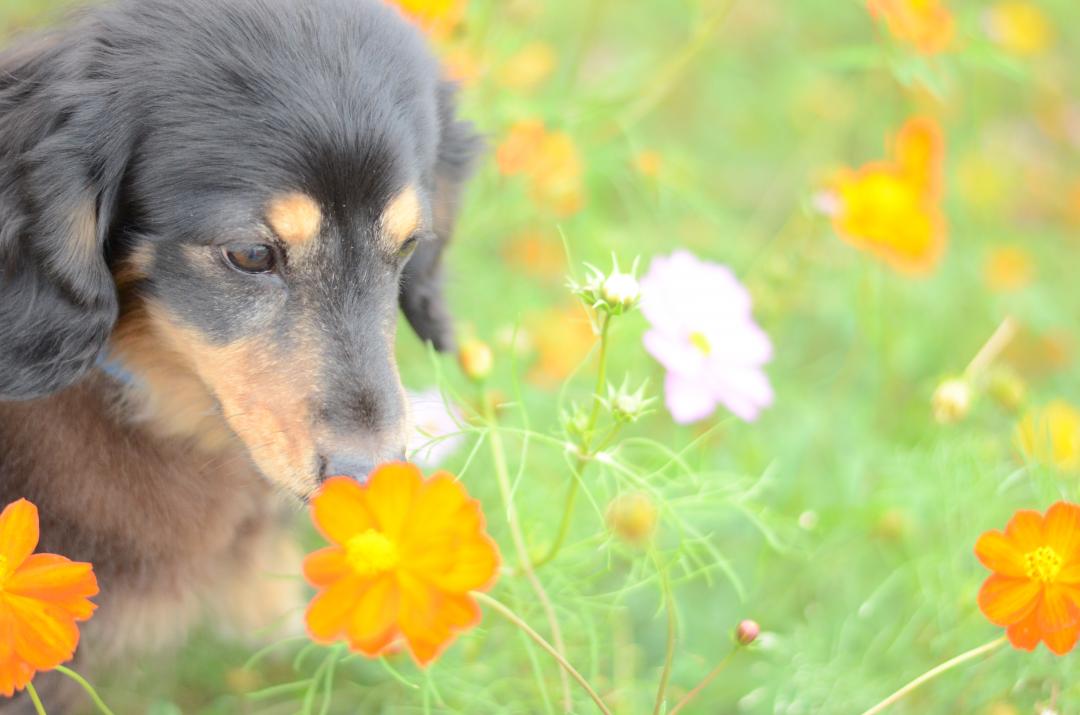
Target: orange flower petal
point(18, 532)
point(1056, 610)
point(328, 613)
point(326, 566)
point(14, 675)
point(45, 635)
point(390, 492)
point(1063, 641)
point(372, 625)
point(920, 151)
point(1062, 530)
point(339, 509)
point(1006, 601)
point(424, 630)
point(1000, 555)
point(58, 580)
point(1025, 634)
point(1025, 529)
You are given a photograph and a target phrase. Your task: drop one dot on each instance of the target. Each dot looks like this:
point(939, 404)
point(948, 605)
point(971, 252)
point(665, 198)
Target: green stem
point(502, 477)
point(601, 382)
point(672, 633)
point(87, 687)
point(539, 640)
point(935, 672)
point(32, 692)
point(586, 454)
point(705, 682)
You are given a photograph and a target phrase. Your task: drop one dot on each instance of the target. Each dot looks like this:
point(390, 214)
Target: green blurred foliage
point(845, 518)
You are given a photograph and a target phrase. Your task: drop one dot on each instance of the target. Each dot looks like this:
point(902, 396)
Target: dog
point(210, 213)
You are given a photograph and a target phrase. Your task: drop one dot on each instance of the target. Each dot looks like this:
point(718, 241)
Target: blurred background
point(843, 520)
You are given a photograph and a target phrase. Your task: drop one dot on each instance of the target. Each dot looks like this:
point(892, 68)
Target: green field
point(844, 520)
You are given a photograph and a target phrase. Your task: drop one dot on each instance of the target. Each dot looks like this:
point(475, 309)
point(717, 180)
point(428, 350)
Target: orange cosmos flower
point(1034, 591)
point(439, 18)
point(41, 598)
point(406, 553)
point(551, 162)
point(925, 24)
point(891, 208)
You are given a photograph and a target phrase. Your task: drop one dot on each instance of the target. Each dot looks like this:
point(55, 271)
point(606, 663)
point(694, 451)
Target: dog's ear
point(422, 297)
point(57, 297)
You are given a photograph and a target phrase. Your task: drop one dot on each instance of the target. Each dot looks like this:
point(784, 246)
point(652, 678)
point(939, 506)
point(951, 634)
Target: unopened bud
point(476, 359)
point(747, 632)
point(952, 401)
point(621, 290)
point(632, 517)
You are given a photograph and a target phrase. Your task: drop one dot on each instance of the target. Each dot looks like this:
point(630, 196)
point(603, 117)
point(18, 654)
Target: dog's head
point(230, 199)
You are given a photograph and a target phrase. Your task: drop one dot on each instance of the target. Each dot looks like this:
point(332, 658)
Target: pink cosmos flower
point(436, 429)
point(703, 333)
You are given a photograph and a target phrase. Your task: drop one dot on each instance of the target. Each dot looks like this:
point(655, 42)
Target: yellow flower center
point(699, 341)
point(1042, 564)
point(371, 553)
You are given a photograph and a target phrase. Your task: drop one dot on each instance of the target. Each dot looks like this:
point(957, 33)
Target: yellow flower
point(528, 67)
point(438, 17)
point(1019, 27)
point(925, 24)
point(891, 209)
point(1051, 435)
point(1008, 268)
point(632, 517)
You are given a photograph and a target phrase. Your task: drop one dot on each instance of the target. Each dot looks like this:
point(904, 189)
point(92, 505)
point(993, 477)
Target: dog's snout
point(346, 465)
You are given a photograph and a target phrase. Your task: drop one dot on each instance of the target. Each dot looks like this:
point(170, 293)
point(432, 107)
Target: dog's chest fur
point(170, 529)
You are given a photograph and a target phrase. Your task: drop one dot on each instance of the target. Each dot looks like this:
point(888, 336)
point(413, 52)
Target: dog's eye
point(251, 257)
point(408, 247)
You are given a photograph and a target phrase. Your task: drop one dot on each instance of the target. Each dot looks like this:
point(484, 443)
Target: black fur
point(171, 120)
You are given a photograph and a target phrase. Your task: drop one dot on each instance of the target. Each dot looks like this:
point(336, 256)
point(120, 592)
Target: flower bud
point(627, 406)
point(632, 517)
point(747, 632)
point(476, 359)
point(621, 290)
point(952, 401)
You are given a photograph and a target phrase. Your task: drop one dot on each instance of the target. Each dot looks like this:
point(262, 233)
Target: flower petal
point(390, 492)
point(372, 625)
point(425, 631)
point(58, 580)
point(18, 532)
point(1063, 641)
point(1062, 530)
point(686, 399)
point(1025, 634)
point(326, 566)
point(45, 635)
point(1025, 530)
point(1006, 601)
point(339, 509)
point(328, 613)
point(1056, 610)
point(1000, 554)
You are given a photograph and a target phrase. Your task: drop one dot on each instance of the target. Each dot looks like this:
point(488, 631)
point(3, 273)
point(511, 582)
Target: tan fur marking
point(295, 218)
point(401, 217)
point(135, 267)
point(262, 395)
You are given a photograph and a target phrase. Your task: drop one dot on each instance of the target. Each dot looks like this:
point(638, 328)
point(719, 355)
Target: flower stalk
point(933, 673)
point(567, 668)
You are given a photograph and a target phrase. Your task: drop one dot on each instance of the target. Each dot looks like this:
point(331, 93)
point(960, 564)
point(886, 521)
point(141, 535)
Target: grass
point(844, 520)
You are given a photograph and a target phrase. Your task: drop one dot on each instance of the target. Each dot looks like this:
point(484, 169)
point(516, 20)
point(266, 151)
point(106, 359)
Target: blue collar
point(116, 370)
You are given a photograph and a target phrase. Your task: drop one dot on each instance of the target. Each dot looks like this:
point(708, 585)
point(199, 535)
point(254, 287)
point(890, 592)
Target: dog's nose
point(354, 466)
point(344, 465)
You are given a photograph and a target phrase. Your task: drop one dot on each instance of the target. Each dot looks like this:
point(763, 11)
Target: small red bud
point(747, 632)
